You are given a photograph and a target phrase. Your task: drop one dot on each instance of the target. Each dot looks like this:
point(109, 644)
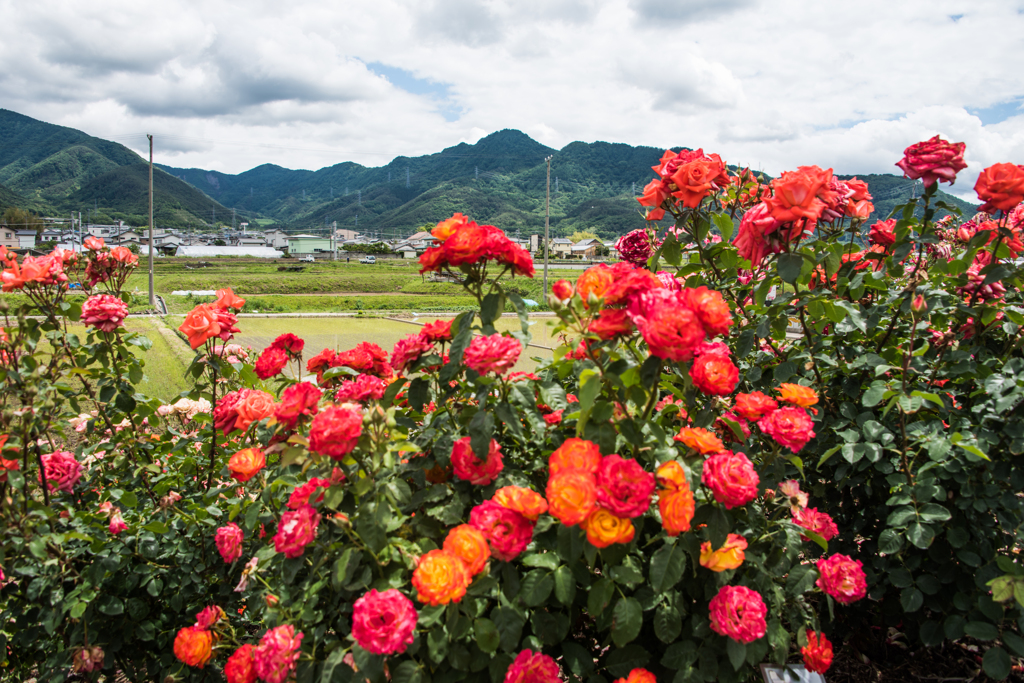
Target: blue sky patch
point(434, 90)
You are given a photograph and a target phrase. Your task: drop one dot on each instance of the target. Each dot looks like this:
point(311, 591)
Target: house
point(26, 239)
point(278, 239)
point(9, 237)
point(586, 248)
point(302, 245)
point(249, 242)
point(561, 247)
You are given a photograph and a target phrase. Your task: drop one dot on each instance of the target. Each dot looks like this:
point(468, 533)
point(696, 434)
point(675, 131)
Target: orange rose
point(714, 374)
point(671, 475)
point(603, 528)
point(255, 406)
point(638, 676)
point(1001, 186)
point(246, 463)
point(700, 440)
point(696, 179)
point(572, 496)
point(200, 324)
point(227, 299)
point(447, 228)
point(595, 280)
point(575, 454)
point(677, 508)
point(194, 646)
point(469, 545)
point(755, 405)
point(795, 194)
point(440, 578)
point(797, 394)
point(529, 504)
point(729, 556)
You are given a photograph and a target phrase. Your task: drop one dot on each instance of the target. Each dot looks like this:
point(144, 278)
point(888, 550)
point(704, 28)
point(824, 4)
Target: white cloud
point(773, 85)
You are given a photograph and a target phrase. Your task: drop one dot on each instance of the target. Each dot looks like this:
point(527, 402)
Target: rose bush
point(704, 478)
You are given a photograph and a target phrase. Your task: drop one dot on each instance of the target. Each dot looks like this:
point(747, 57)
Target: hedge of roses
point(705, 478)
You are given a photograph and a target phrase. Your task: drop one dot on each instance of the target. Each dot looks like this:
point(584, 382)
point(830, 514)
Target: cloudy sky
point(768, 83)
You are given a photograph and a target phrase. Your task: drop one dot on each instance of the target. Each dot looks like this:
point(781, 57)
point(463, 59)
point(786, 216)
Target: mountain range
point(501, 179)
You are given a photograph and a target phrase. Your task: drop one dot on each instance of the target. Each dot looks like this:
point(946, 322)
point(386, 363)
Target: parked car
point(307, 259)
point(368, 259)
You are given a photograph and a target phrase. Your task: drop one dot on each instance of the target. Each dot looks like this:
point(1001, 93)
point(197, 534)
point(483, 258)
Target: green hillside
point(889, 191)
point(127, 189)
point(54, 169)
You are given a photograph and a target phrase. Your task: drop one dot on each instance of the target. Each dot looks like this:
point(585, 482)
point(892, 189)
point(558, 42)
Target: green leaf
point(667, 566)
point(996, 663)
point(790, 266)
point(543, 560)
point(911, 599)
point(565, 585)
point(599, 597)
point(577, 658)
point(510, 627)
point(889, 542)
point(536, 587)
point(481, 428)
point(620, 662)
point(487, 637)
point(873, 396)
point(668, 623)
point(679, 655)
point(1014, 642)
point(724, 225)
point(737, 652)
point(920, 535)
point(627, 619)
point(982, 630)
point(110, 605)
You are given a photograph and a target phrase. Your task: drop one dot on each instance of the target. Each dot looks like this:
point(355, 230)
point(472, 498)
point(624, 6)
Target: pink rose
point(383, 623)
point(117, 524)
point(790, 426)
point(932, 161)
point(229, 542)
point(495, 353)
point(843, 578)
point(62, 471)
point(739, 613)
point(469, 468)
point(105, 312)
point(731, 478)
point(623, 487)
point(296, 530)
point(508, 531)
point(277, 653)
point(533, 667)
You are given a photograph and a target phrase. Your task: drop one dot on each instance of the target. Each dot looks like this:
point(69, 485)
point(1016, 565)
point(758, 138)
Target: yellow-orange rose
point(529, 504)
point(676, 506)
point(798, 394)
point(671, 475)
point(440, 578)
point(572, 496)
point(729, 556)
point(700, 440)
point(575, 454)
point(194, 646)
point(253, 407)
point(603, 528)
point(244, 464)
point(469, 545)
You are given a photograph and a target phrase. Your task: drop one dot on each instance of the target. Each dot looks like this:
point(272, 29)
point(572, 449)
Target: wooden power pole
point(547, 221)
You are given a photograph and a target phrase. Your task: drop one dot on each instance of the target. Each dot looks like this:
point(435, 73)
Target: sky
point(770, 84)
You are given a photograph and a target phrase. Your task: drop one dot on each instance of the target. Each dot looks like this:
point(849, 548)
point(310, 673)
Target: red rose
point(361, 389)
point(495, 353)
point(271, 362)
point(714, 374)
point(731, 478)
point(817, 653)
point(335, 431)
point(669, 326)
point(842, 578)
point(438, 331)
point(508, 531)
point(562, 290)
point(795, 194)
point(290, 343)
point(611, 323)
point(755, 405)
point(408, 350)
point(297, 401)
point(883, 233)
point(752, 239)
point(296, 530)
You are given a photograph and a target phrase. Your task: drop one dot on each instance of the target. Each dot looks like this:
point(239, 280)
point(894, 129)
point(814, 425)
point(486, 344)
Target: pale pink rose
point(229, 542)
point(117, 524)
point(105, 312)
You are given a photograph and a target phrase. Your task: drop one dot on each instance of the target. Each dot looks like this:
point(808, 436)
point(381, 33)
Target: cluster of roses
point(413, 347)
point(797, 201)
point(212, 321)
point(501, 527)
point(601, 494)
point(366, 358)
point(673, 321)
point(273, 358)
point(272, 660)
point(464, 243)
point(109, 266)
point(686, 176)
point(44, 270)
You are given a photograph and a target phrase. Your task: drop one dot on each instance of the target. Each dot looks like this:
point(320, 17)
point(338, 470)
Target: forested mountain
point(501, 179)
point(55, 169)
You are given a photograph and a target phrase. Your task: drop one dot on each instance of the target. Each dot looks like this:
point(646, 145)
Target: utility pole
point(152, 295)
point(547, 222)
